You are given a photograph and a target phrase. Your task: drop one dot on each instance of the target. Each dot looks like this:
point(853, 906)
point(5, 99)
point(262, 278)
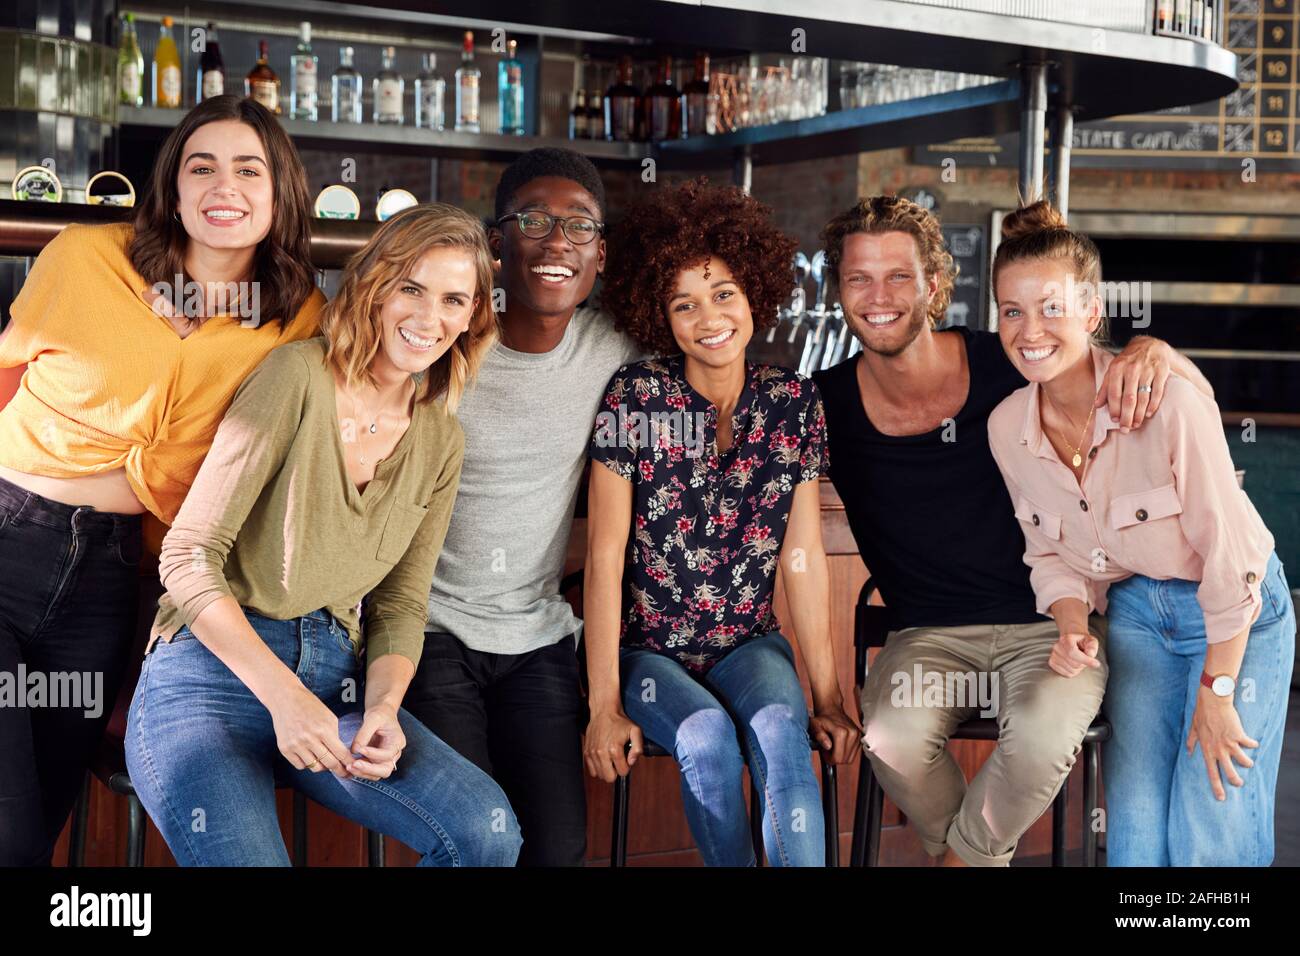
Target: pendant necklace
point(1077, 460)
point(374, 427)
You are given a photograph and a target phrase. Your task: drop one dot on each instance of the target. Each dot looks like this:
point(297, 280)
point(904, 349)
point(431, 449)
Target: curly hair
point(682, 227)
point(878, 214)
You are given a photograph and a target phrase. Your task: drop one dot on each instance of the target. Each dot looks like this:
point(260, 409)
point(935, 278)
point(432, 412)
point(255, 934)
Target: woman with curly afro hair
point(709, 484)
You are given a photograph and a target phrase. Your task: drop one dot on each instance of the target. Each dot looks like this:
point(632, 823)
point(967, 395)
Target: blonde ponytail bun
point(1036, 217)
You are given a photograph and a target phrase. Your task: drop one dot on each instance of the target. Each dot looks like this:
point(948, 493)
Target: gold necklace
point(1077, 460)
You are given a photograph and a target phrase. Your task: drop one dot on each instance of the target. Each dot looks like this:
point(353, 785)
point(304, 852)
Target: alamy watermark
point(197, 299)
point(661, 429)
point(921, 688)
point(1120, 300)
point(76, 690)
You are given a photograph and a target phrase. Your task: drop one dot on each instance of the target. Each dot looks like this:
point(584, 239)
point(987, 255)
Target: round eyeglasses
point(579, 230)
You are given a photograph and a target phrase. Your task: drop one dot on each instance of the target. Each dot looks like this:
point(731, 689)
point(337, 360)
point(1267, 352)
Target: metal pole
point(742, 172)
point(1063, 140)
point(1033, 119)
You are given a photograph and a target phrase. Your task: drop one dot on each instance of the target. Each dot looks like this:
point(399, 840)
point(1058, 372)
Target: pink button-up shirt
point(1162, 501)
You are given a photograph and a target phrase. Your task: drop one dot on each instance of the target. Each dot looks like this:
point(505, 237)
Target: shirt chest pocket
point(1144, 507)
point(1046, 522)
point(1146, 536)
point(403, 521)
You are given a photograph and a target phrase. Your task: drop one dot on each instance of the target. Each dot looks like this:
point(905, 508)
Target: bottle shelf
point(378, 137)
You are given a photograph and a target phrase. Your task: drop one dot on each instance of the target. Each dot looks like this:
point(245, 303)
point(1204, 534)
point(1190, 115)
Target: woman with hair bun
point(1150, 527)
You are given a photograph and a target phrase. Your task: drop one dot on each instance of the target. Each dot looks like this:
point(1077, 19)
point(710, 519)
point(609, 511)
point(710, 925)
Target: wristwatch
point(1223, 685)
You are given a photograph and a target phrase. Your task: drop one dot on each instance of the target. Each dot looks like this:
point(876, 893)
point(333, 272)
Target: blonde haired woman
point(1150, 527)
point(310, 537)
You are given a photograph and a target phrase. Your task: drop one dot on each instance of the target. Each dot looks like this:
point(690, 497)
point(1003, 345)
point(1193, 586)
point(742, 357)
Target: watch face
point(1223, 685)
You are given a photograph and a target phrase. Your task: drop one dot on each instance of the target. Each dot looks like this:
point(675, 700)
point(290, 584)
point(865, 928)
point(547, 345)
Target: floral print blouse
point(707, 527)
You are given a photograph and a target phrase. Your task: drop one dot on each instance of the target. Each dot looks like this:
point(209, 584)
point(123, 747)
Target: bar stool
point(109, 765)
point(830, 811)
point(618, 837)
point(870, 629)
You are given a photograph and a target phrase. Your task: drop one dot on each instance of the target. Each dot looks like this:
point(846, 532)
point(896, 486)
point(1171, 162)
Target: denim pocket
point(1274, 597)
point(341, 637)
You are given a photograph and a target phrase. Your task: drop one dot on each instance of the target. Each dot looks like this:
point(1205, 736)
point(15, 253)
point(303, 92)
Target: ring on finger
point(1145, 388)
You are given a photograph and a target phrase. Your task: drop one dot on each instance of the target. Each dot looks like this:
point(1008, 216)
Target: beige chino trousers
point(960, 671)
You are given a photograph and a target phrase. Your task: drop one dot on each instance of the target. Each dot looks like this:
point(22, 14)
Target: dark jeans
point(68, 580)
point(520, 718)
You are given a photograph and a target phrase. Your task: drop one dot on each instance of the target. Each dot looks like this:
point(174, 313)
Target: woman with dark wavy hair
point(130, 340)
point(709, 483)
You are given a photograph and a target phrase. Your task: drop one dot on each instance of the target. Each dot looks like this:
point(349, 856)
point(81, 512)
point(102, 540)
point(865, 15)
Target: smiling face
point(226, 195)
point(1045, 316)
point(884, 290)
point(433, 304)
point(710, 315)
point(548, 276)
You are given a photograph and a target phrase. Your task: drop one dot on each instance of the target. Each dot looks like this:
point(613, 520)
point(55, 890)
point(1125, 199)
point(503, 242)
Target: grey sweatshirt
point(527, 419)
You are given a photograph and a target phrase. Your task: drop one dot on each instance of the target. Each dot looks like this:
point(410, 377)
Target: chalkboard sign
point(1258, 121)
point(970, 252)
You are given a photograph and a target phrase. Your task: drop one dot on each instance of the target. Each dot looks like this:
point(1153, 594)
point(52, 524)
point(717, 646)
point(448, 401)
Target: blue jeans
point(756, 687)
point(1161, 810)
point(202, 754)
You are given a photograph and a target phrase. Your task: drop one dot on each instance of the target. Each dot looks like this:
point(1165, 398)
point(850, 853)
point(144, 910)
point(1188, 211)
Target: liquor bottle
point(595, 116)
point(510, 92)
point(467, 88)
point(621, 102)
point(261, 84)
point(1164, 14)
point(389, 89)
point(578, 116)
point(1181, 10)
point(664, 105)
point(1207, 22)
point(430, 92)
point(212, 68)
point(1197, 23)
point(302, 85)
point(130, 66)
point(345, 90)
point(166, 69)
point(701, 103)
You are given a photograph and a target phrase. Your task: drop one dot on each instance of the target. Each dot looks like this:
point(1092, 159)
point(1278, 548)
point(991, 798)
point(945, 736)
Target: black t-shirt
point(932, 518)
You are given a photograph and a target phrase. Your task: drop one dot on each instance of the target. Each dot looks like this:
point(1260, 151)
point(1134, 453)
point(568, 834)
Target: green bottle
point(130, 66)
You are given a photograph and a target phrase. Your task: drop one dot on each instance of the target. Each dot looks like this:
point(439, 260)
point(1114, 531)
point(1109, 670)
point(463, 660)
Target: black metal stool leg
point(875, 816)
point(755, 822)
point(299, 829)
point(80, 820)
point(1091, 769)
point(1060, 807)
point(374, 848)
point(618, 834)
point(135, 829)
point(831, 810)
point(858, 846)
